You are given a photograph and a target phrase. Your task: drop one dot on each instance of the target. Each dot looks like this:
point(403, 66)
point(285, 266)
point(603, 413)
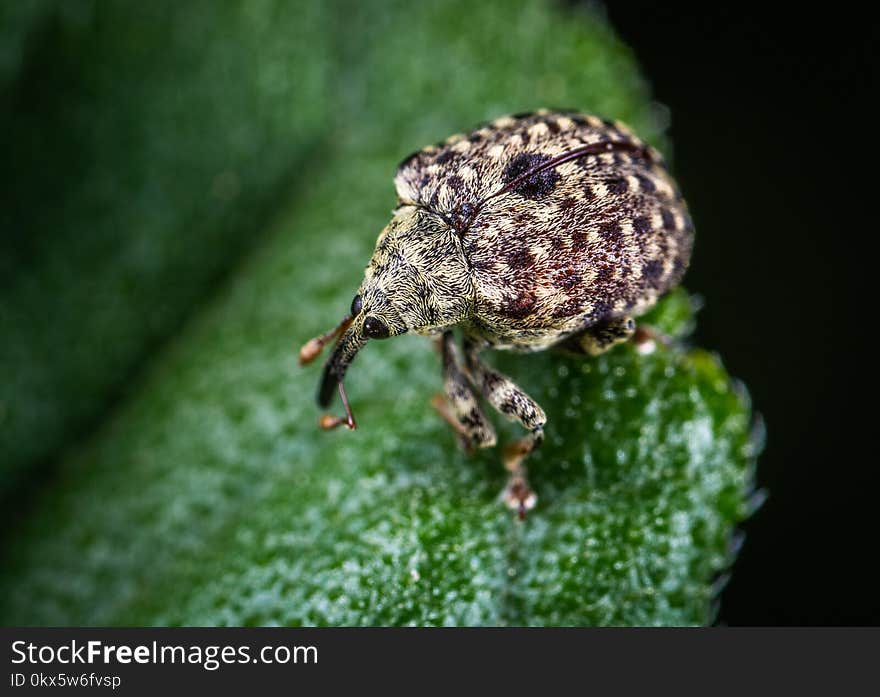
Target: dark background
point(774, 139)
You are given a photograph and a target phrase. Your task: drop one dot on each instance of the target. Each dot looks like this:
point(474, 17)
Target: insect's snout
point(348, 342)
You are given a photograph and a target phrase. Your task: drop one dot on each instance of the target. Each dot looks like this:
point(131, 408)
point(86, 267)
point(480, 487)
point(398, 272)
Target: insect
point(538, 230)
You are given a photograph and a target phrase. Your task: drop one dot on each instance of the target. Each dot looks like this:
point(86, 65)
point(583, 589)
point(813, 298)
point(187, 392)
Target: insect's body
point(598, 237)
point(542, 229)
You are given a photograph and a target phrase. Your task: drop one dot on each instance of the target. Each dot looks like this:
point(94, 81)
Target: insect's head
point(416, 280)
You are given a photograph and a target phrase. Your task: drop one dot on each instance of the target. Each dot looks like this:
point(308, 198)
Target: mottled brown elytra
point(538, 230)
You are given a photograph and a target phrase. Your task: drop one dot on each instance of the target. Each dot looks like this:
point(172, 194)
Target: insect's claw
point(646, 339)
point(519, 497)
point(328, 422)
point(310, 350)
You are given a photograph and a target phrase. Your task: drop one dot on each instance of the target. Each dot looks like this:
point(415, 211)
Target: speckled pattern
point(548, 249)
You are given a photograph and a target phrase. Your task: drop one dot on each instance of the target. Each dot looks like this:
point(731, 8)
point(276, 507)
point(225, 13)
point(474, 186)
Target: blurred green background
point(192, 190)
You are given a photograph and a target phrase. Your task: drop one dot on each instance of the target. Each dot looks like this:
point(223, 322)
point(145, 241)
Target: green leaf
point(212, 497)
point(145, 142)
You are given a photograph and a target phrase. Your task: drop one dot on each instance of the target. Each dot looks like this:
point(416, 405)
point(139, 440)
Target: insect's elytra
point(537, 230)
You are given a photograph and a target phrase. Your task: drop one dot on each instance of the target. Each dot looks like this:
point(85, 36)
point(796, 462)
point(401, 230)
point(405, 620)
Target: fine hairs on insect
point(549, 229)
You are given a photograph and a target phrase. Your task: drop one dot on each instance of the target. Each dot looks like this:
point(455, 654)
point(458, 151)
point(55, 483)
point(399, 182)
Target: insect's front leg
point(503, 394)
point(459, 407)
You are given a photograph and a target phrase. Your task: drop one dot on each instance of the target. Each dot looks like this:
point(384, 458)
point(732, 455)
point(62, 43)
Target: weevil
point(538, 230)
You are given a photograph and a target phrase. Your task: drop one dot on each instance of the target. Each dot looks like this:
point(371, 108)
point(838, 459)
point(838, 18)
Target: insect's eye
point(356, 305)
point(375, 329)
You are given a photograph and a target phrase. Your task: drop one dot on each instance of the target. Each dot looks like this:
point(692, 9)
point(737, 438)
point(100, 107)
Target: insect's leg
point(646, 339)
point(601, 337)
point(459, 407)
point(598, 339)
point(503, 394)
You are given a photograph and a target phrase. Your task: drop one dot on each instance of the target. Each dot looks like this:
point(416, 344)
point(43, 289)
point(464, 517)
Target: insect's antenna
point(313, 347)
point(328, 421)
